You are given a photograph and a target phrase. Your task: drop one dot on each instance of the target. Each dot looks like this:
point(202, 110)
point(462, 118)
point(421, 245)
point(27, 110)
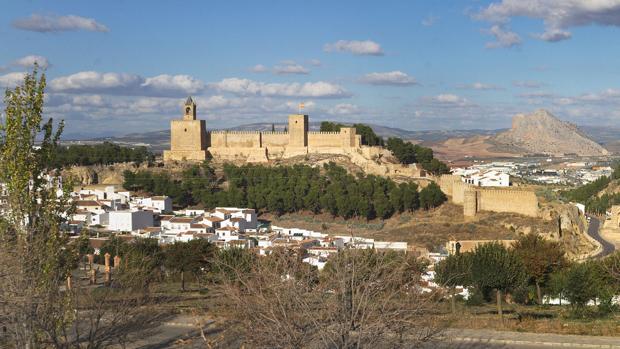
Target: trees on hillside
point(99, 154)
point(540, 258)
point(409, 153)
point(368, 135)
point(289, 189)
point(431, 196)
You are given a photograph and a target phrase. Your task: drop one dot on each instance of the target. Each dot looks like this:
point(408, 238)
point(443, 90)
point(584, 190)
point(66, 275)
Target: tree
point(193, 256)
point(583, 284)
point(495, 267)
point(431, 196)
point(38, 309)
point(454, 271)
point(540, 258)
point(361, 299)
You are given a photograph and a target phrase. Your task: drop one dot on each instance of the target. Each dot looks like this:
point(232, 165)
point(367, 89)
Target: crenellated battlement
point(322, 133)
point(235, 132)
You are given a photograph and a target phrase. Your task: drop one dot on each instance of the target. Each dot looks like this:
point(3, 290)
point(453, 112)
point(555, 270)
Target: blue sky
point(116, 67)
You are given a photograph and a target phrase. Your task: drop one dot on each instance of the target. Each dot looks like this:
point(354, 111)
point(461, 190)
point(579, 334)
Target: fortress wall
point(275, 139)
point(330, 139)
point(235, 139)
point(524, 202)
point(446, 183)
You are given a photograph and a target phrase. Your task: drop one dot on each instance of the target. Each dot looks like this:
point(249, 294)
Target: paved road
point(593, 231)
point(183, 335)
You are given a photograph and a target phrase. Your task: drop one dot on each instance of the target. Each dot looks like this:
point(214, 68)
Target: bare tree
point(362, 299)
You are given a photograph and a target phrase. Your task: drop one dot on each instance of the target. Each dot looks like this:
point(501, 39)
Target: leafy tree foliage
point(369, 137)
point(432, 196)
point(588, 193)
point(409, 153)
point(287, 189)
point(99, 154)
point(540, 258)
point(193, 256)
point(454, 271)
point(495, 267)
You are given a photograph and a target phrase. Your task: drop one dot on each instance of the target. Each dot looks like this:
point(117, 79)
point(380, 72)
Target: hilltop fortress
point(191, 142)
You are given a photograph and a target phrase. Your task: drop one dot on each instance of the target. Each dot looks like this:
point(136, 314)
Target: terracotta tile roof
point(237, 219)
point(159, 198)
point(90, 203)
point(166, 217)
point(227, 228)
point(213, 219)
point(182, 220)
point(199, 225)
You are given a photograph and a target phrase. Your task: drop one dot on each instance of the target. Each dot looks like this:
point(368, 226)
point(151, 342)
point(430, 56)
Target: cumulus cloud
point(393, 78)
point(557, 15)
point(344, 109)
point(290, 67)
point(480, 86)
point(246, 87)
point(360, 48)
point(503, 38)
point(449, 98)
point(53, 23)
point(259, 68)
point(315, 62)
point(174, 83)
point(29, 61)
point(127, 84)
point(11, 80)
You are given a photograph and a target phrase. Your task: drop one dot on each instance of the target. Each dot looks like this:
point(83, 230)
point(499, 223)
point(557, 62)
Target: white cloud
point(246, 87)
point(259, 68)
point(430, 21)
point(344, 109)
point(503, 38)
point(360, 48)
point(480, 86)
point(393, 78)
point(127, 84)
point(53, 23)
point(557, 15)
point(315, 62)
point(290, 67)
point(554, 35)
point(88, 81)
point(11, 80)
point(449, 98)
point(179, 83)
point(29, 61)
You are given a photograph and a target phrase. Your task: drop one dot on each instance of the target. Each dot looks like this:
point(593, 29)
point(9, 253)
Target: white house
point(491, 178)
point(127, 220)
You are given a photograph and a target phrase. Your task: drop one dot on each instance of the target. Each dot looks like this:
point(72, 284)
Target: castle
point(190, 141)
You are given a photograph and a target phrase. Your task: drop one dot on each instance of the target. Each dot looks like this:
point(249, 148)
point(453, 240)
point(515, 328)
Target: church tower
point(188, 136)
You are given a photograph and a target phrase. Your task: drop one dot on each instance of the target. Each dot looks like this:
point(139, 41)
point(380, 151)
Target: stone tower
point(188, 136)
point(298, 130)
point(470, 203)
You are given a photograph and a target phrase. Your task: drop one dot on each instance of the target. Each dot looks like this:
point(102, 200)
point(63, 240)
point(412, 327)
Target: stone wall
point(474, 199)
point(235, 139)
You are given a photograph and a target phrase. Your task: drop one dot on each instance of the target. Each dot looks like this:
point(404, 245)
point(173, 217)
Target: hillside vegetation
point(286, 189)
point(593, 195)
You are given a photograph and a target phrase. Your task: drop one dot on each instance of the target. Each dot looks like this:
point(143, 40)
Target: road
point(593, 231)
point(182, 334)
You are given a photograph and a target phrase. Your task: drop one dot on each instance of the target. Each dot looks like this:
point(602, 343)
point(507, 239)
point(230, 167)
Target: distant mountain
point(543, 133)
point(459, 143)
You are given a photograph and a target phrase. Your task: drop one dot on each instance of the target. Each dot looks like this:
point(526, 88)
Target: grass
point(536, 319)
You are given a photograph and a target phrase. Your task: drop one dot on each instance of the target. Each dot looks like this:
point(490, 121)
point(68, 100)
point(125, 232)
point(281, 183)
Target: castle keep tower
point(188, 136)
point(298, 130)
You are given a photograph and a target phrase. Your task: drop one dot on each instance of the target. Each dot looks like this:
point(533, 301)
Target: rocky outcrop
point(543, 133)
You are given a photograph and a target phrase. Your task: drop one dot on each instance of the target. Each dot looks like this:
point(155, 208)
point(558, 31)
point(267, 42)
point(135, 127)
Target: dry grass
point(423, 228)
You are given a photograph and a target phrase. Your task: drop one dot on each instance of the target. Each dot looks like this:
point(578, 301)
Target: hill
point(543, 133)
